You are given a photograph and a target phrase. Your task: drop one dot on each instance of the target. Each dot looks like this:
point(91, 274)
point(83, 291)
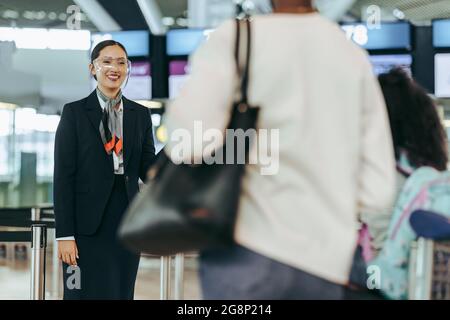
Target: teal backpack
point(425, 189)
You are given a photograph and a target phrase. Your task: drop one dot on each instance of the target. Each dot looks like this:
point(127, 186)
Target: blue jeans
point(238, 273)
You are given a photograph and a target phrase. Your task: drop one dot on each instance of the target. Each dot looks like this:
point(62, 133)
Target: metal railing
point(177, 292)
point(38, 255)
point(39, 220)
point(429, 270)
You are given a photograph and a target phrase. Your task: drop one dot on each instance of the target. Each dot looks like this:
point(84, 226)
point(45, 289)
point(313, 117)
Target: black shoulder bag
point(187, 208)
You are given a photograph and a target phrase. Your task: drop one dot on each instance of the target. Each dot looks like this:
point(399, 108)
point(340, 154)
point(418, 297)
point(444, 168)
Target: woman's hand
point(68, 252)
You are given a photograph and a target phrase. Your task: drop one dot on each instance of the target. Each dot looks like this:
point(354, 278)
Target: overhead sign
point(441, 33)
point(387, 36)
point(137, 43)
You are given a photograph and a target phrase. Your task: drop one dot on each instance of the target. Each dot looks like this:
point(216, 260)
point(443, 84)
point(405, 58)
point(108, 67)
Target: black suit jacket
point(84, 172)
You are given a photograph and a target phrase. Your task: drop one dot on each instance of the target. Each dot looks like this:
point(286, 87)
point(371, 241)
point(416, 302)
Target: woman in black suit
point(104, 144)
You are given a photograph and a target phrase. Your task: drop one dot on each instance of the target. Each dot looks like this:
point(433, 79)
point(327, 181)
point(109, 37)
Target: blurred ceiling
point(53, 13)
point(130, 17)
point(38, 14)
point(413, 10)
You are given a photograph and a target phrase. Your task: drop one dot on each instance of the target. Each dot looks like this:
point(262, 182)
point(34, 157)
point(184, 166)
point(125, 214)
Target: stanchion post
point(38, 250)
point(422, 270)
point(165, 278)
point(179, 276)
point(56, 266)
point(35, 214)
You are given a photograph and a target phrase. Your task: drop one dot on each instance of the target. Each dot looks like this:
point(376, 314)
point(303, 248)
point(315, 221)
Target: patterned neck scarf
point(110, 127)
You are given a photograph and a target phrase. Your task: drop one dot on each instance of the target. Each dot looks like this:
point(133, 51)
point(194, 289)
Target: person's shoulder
point(226, 27)
point(426, 172)
point(74, 105)
point(335, 34)
point(136, 106)
point(224, 31)
point(77, 102)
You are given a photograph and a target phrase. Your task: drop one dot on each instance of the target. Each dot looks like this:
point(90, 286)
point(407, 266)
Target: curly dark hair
point(415, 123)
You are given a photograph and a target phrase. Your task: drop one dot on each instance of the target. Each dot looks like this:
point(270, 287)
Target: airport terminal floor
point(101, 200)
point(15, 276)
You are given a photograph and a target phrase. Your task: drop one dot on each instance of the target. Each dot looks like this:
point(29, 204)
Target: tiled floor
point(15, 279)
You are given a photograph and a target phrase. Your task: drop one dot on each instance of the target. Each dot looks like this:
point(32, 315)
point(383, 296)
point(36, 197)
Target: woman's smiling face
point(111, 67)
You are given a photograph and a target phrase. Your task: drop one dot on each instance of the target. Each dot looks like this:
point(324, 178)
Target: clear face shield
point(114, 69)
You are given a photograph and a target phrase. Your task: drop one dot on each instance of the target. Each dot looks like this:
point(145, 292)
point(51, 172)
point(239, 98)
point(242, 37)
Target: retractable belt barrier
point(38, 219)
point(178, 288)
point(167, 292)
point(429, 270)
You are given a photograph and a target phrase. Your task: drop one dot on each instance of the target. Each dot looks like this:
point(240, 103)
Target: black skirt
point(107, 270)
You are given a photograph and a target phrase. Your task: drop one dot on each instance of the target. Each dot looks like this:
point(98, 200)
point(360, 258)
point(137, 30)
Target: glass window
point(6, 131)
point(36, 133)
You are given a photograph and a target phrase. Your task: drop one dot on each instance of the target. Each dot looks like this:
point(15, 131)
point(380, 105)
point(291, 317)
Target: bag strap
point(243, 70)
point(402, 171)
